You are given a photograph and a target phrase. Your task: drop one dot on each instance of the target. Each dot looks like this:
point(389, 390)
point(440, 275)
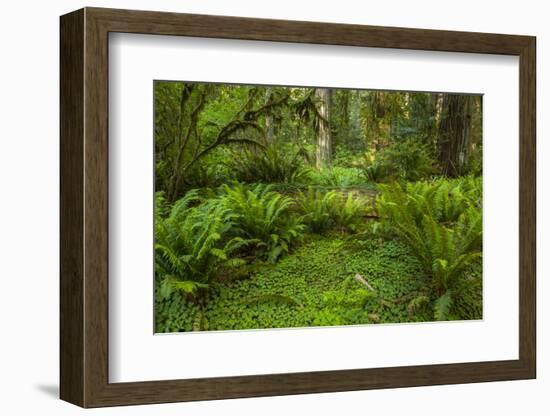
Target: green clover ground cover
point(314, 286)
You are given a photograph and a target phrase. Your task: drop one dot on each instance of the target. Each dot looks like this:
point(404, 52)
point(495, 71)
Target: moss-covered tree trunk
point(324, 145)
point(454, 134)
point(268, 117)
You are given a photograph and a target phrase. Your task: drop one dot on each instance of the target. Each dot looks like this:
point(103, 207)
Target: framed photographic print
point(255, 207)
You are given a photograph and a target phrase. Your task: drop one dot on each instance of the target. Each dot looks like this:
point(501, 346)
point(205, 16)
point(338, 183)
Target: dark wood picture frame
point(84, 207)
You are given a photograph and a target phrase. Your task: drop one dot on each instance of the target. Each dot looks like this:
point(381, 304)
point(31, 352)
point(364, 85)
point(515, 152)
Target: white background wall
point(29, 211)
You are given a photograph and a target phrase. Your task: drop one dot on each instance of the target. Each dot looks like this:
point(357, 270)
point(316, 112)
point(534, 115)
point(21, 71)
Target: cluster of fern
point(271, 164)
point(198, 239)
point(209, 238)
point(192, 243)
point(323, 211)
point(406, 160)
point(441, 222)
point(281, 164)
point(262, 216)
point(336, 176)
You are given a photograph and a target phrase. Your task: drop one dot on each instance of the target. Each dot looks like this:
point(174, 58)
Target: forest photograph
point(286, 207)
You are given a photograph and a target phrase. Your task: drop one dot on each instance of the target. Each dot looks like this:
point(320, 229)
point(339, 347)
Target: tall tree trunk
point(268, 118)
point(454, 134)
point(438, 107)
point(380, 125)
point(407, 98)
point(342, 113)
point(184, 135)
point(324, 145)
point(355, 126)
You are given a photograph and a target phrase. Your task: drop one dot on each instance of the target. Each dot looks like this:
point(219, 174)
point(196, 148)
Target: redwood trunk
point(454, 134)
point(324, 145)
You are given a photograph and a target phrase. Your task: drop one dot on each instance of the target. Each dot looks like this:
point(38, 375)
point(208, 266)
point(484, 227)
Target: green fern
point(441, 222)
point(403, 160)
point(193, 243)
point(348, 214)
point(442, 306)
point(417, 303)
point(272, 164)
point(316, 209)
point(376, 172)
point(337, 176)
point(323, 211)
point(262, 215)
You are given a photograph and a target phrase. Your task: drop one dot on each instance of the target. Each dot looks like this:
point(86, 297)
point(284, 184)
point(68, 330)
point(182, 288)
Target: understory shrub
point(376, 171)
point(345, 157)
point(441, 222)
point(258, 213)
point(196, 240)
point(271, 164)
point(325, 210)
point(406, 160)
point(336, 176)
point(315, 206)
point(210, 171)
point(444, 200)
point(192, 244)
point(349, 213)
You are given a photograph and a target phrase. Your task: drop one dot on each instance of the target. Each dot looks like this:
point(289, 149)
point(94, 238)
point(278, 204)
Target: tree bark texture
point(454, 134)
point(324, 145)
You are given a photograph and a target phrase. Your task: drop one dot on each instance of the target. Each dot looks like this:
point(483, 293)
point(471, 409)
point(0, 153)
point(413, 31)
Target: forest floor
point(316, 286)
point(340, 277)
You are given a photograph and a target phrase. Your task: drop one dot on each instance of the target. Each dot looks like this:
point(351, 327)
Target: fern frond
point(442, 306)
point(441, 222)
